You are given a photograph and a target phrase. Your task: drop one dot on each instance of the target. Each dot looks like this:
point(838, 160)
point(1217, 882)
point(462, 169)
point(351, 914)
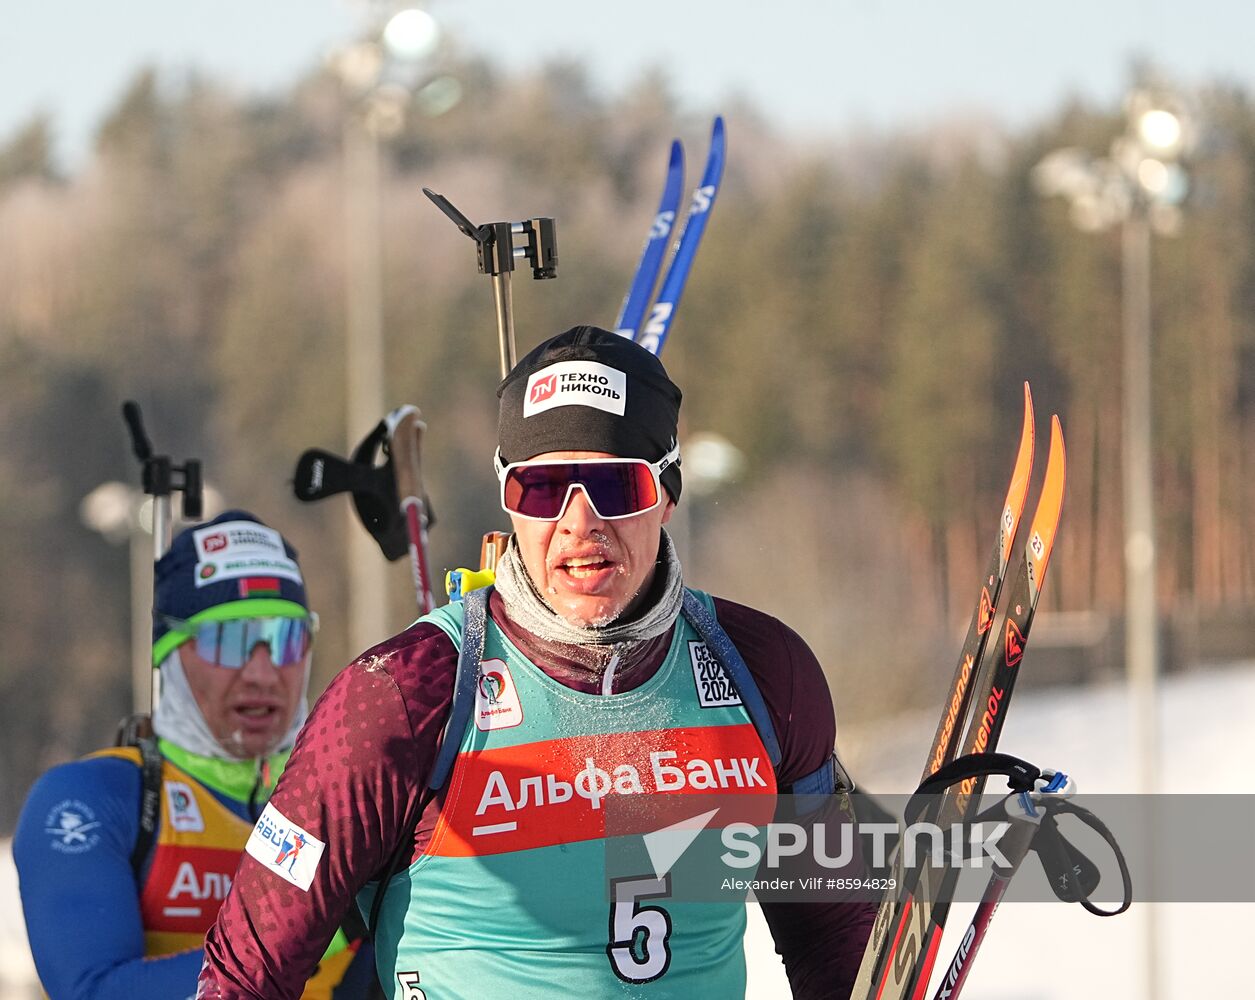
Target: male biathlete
point(589, 673)
point(124, 857)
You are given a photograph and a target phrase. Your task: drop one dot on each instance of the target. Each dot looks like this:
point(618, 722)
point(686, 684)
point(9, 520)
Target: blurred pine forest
point(859, 323)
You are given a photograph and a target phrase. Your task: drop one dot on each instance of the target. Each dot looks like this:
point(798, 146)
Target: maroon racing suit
point(368, 748)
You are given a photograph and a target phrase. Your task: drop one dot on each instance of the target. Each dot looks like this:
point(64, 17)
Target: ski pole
point(160, 478)
point(1071, 875)
point(1014, 847)
point(496, 249)
point(405, 434)
point(498, 245)
point(389, 499)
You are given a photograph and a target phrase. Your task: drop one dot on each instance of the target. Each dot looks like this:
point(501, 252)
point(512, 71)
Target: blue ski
point(658, 325)
point(642, 291)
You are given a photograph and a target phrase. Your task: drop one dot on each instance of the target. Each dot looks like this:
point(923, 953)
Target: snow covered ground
point(17, 971)
point(1053, 951)
point(1038, 951)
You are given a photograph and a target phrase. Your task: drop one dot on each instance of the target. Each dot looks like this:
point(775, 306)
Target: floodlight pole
point(364, 358)
point(1139, 186)
point(1141, 628)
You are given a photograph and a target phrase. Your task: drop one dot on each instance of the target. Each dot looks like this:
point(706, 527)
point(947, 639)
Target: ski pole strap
point(474, 622)
point(720, 645)
point(1073, 877)
point(320, 474)
point(1021, 777)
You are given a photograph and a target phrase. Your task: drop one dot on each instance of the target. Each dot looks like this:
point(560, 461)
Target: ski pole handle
point(140, 444)
point(405, 433)
point(160, 478)
point(492, 548)
point(497, 245)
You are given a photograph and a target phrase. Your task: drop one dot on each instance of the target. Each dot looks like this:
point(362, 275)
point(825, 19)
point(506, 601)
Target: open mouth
point(585, 567)
point(256, 716)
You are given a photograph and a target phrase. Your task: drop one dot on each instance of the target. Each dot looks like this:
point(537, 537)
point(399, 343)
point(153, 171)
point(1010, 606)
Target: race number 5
point(409, 984)
point(638, 948)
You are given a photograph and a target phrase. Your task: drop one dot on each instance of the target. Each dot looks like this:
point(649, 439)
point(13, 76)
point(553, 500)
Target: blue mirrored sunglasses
point(230, 643)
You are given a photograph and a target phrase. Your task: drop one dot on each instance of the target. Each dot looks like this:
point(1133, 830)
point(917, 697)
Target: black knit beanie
point(590, 390)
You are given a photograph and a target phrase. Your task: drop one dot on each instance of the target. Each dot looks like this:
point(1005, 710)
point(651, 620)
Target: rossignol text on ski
point(904, 941)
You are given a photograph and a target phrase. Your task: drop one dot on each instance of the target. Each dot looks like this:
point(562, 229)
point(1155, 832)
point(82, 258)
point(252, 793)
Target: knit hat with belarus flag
point(232, 567)
point(590, 390)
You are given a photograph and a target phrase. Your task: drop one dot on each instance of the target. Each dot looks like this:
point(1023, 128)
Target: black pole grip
point(478, 233)
point(135, 424)
point(193, 491)
point(544, 252)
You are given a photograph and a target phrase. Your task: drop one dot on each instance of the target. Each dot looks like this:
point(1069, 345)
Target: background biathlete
point(114, 910)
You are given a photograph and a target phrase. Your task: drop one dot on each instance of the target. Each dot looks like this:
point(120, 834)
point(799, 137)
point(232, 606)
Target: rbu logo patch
point(714, 687)
point(290, 852)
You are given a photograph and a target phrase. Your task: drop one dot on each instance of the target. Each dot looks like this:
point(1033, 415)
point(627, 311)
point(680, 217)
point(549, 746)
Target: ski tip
point(676, 159)
point(1029, 430)
point(1051, 502)
point(1017, 491)
point(1049, 505)
point(718, 135)
point(1057, 452)
point(1056, 441)
point(1028, 437)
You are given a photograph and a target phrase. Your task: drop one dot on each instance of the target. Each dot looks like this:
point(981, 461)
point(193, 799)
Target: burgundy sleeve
point(821, 943)
point(792, 684)
point(363, 755)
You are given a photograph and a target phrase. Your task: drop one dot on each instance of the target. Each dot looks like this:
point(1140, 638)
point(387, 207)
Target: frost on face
point(234, 743)
point(571, 608)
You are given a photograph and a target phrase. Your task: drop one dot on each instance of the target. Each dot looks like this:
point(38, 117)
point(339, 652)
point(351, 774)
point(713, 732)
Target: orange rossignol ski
point(984, 729)
point(951, 724)
point(959, 696)
point(897, 967)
